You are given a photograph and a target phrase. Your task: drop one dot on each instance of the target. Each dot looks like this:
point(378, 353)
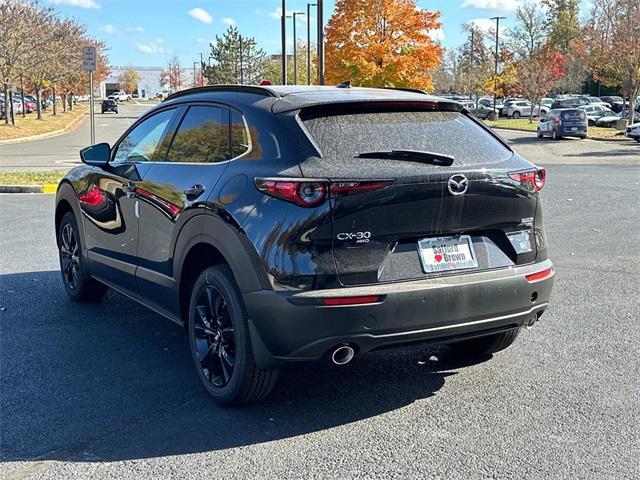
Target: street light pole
point(320, 44)
point(309, 5)
point(283, 40)
point(241, 71)
point(201, 69)
point(495, 78)
point(194, 73)
point(295, 48)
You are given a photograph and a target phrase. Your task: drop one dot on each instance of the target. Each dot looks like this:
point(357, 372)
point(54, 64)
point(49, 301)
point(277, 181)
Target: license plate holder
point(445, 254)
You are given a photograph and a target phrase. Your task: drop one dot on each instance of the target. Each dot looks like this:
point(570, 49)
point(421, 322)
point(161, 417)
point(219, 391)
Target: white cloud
point(277, 13)
point(229, 21)
point(201, 15)
point(109, 29)
point(152, 47)
point(78, 3)
point(436, 35)
point(134, 30)
point(486, 24)
point(498, 5)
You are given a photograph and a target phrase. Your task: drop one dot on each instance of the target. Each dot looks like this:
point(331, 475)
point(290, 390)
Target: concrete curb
point(588, 138)
point(48, 188)
point(75, 123)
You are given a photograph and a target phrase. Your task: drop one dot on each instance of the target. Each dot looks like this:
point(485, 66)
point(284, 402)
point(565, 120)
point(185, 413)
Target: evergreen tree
point(231, 65)
point(563, 23)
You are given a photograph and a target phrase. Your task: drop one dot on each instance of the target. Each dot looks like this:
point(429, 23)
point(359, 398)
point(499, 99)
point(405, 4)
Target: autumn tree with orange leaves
point(374, 43)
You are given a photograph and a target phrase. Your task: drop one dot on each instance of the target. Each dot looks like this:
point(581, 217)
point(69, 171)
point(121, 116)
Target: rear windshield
point(574, 115)
point(448, 133)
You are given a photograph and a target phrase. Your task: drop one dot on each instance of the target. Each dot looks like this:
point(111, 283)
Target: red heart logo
point(438, 258)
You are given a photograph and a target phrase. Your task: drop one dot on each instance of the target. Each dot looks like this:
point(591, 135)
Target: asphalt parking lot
point(61, 152)
point(108, 391)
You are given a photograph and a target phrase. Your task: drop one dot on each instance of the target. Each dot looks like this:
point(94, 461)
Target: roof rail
point(267, 92)
point(406, 89)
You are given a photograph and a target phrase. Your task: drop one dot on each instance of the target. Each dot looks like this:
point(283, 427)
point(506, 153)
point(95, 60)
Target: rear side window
point(240, 143)
point(450, 133)
point(202, 137)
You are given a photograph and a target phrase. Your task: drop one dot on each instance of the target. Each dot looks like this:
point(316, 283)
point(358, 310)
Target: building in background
point(148, 86)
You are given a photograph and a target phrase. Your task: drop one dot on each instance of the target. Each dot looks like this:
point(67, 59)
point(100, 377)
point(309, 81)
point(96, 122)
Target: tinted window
point(451, 133)
point(147, 141)
point(240, 143)
point(203, 136)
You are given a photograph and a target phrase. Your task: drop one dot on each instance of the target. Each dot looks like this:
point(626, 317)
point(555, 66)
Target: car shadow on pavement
point(114, 381)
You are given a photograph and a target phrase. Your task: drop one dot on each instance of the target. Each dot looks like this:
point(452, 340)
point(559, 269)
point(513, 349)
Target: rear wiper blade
point(432, 158)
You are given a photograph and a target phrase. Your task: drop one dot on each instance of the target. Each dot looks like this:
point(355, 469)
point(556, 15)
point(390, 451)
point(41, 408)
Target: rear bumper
point(568, 132)
point(292, 327)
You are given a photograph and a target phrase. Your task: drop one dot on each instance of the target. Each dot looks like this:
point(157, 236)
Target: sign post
point(89, 64)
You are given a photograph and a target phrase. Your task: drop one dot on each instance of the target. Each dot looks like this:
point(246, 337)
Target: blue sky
point(149, 33)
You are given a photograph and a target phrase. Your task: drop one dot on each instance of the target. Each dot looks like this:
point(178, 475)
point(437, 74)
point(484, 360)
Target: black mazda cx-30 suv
point(288, 224)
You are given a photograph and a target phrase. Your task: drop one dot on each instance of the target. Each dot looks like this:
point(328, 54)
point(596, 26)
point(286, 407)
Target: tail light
point(311, 193)
point(532, 180)
point(303, 193)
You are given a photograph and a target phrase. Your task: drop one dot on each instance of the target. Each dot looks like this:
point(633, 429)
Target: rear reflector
point(541, 275)
point(350, 300)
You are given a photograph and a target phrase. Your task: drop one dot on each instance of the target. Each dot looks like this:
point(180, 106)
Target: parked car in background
point(488, 102)
point(481, 111)
point(633, 131)
point(522, 108)
point(609, 121)
point(616, 103)
point(596, 101)
point(109, 105)
point(563, 122)
point(595, 112)
point(569, 102)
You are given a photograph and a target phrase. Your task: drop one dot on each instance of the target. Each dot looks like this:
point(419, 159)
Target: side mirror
point(96, 155)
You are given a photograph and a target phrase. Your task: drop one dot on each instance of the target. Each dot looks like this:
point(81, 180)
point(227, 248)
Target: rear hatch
point(573, 118)
point(421, 217)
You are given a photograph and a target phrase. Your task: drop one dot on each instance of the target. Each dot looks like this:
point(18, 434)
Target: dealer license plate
point(443, 254)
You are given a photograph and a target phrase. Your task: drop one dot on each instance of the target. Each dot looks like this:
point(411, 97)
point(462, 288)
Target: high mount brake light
point(310, 193)
point(533, 180)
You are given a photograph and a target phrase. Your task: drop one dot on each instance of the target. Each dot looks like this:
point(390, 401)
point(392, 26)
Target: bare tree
point(172, 77)
point(21, 26)
point(613, 36)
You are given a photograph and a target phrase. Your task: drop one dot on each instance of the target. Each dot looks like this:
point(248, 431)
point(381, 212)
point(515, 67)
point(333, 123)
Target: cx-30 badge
point(457, 184)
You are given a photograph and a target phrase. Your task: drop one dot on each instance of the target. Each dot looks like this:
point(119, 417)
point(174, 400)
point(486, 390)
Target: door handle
point(194, 191)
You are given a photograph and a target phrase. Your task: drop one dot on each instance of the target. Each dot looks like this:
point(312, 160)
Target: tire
point(516, 115)
point(487, 345)
point(77, 282)
point(539, 133)
point(555, 135)
point(221, 346)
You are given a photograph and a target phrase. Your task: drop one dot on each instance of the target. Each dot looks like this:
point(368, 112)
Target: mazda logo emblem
point(457, 184)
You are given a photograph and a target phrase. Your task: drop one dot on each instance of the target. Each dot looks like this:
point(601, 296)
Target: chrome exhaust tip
point(342, 354)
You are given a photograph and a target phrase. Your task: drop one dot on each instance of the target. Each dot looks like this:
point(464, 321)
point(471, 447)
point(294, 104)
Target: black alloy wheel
point(214, 334)
point(69, 256)
point(220, 340)
point(78, 283)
